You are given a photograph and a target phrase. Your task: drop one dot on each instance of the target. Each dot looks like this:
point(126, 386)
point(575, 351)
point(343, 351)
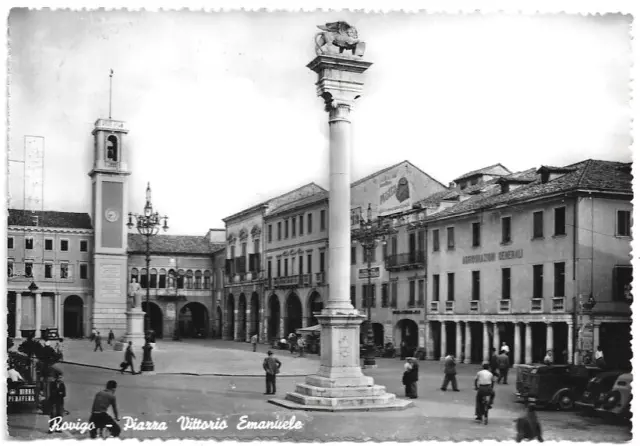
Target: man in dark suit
point(57, 394)
point(271, 366)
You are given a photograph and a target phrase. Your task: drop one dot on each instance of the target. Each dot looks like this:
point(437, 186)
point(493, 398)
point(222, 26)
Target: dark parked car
point(553, 385)
point(597, 388)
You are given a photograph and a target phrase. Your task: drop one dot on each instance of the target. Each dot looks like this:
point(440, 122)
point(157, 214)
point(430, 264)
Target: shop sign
point(25, 394)
point(365, 273)
point(491, 256)
point(406, 311)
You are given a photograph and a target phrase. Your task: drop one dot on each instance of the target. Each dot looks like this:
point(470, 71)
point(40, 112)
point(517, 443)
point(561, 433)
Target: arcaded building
point(539, 259)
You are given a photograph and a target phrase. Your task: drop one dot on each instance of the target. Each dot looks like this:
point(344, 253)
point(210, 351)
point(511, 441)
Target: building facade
point(519, 259)
point(53, 250)
point(296, 264)
point(181, 284)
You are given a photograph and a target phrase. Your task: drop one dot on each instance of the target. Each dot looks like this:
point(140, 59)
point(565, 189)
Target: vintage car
point(597, 388)
point(553, 385)
point(617, 400)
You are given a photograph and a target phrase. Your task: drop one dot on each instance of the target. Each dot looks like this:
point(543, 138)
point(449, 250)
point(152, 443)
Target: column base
point(339, 384)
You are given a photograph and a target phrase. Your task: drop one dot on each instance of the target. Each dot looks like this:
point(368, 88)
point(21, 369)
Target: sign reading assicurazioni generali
point(493, 256)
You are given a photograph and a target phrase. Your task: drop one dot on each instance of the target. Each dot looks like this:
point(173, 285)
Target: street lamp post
point(148, 225)
point(369, 235)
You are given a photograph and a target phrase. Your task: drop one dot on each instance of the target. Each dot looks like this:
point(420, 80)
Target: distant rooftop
point(495, 170)
point(173, 244)
point(49, 219)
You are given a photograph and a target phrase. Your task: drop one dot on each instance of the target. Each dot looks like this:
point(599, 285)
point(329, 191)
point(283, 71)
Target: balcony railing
point(474, 306)
point(320, 278)
point(450, 306)
point(536, 305)
point(406, 261)
point(504, 306)
point(287, 281)
point(433, 308)
point(557, 305)
point(306, 279)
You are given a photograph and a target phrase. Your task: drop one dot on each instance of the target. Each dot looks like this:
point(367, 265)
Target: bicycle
point(485, 408)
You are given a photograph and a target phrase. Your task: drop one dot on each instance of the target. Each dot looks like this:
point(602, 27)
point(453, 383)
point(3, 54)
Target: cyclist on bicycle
point(484, 385)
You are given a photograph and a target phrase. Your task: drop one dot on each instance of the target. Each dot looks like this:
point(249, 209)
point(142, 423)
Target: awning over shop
point(309, 330)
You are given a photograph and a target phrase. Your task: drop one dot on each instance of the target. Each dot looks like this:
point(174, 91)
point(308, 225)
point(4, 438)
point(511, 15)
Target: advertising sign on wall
point(396, 192)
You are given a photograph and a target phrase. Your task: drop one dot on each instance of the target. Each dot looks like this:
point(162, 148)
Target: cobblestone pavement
point(436, 414)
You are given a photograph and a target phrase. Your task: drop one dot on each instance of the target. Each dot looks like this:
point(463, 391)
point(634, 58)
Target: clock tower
point(109, 178)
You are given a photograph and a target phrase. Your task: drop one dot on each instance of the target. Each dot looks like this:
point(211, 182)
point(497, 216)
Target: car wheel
point(612, 399)
point(565, 401)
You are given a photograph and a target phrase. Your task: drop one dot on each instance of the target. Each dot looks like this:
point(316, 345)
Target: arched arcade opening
point(73, 311)
point(155, 318)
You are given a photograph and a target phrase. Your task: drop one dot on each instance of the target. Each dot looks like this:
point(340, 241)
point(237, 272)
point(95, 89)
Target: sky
point(223, 113)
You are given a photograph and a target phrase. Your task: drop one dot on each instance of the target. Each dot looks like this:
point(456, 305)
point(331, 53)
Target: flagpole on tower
point(110, 90)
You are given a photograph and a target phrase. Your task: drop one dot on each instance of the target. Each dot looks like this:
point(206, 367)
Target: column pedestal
point(339, 384)
point(135, 330)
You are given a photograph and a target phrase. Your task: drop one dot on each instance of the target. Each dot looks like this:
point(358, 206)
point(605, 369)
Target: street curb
point(282, 375)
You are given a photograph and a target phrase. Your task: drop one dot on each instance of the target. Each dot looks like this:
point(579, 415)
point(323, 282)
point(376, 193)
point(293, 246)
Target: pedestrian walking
point(254, 341)
point(450, 373)
point(100, 417)
point(129, 356)
point(503, 366)
point(271, 366)
point(98, 340)
point(57, 394)
point(111, 337)
point(292, 343)
point(493, 362)
point(59, 348)
point(528, 426)
point(599, 357)
point(410, 378)
point(93, 335)
point(505, 348)
point(301, 345)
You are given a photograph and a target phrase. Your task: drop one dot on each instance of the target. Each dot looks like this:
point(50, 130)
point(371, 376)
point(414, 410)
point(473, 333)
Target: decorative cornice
point(243, 234)
point(255, 232)
point(49, 230)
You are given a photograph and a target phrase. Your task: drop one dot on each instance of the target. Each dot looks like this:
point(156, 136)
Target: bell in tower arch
point(112, 148)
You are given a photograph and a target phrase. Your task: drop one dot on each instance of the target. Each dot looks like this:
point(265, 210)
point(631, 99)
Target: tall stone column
point(236, 325)
point(569, 342)
point(458, 341)
point(549, 336)
point(38, 313)
point(248, 325)
point(339, 383)
point(18, 316)
point(443, 340)
point(517, 344)
point(496, 337)
point(281, 333)
point(596, 336)
point(428, 341)
point(58, 311)
point(305, 322)
point(485, 341)
point(527, 343)
point(467, 342)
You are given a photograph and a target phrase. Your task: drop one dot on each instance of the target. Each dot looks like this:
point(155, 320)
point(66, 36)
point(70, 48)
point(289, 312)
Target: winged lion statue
point(338, 37)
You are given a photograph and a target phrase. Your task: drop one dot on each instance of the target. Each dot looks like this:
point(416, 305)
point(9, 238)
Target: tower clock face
point(111, 215)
